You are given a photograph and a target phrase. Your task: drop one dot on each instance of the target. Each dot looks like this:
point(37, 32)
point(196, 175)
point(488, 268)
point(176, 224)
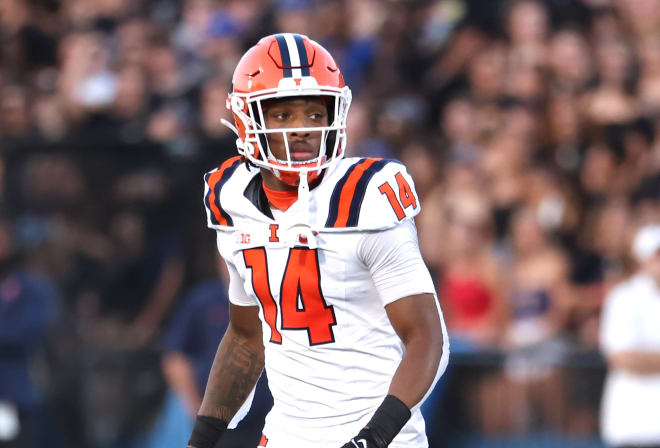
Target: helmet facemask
point(248, 108)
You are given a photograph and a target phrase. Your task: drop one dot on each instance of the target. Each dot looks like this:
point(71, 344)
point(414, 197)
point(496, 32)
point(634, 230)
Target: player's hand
point(364, 439)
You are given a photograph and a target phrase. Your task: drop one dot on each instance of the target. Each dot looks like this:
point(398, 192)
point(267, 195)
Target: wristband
point(388, 420)
point(207, 431)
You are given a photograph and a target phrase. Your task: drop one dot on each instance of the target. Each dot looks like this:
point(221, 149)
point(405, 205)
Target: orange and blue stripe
point(347, 197)
point(216, 180)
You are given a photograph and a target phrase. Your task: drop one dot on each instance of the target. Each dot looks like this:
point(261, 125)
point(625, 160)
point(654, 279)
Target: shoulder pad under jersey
point(372, 194)
point(214, 181)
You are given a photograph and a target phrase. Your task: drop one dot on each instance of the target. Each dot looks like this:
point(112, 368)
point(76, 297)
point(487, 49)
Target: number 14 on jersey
point(406, 196)
point(302, 305)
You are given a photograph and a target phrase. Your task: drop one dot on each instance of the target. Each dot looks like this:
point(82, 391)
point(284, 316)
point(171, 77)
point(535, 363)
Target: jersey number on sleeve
point(302, 306)
point(406, 196)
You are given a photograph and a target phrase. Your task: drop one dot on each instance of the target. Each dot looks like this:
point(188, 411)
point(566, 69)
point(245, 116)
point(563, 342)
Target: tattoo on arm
point(236, 369)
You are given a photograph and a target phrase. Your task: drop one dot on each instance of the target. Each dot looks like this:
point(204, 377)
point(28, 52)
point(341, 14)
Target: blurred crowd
point(531, 128)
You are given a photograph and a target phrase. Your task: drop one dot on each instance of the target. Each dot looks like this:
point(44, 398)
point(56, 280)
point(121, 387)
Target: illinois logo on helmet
point(281, 66)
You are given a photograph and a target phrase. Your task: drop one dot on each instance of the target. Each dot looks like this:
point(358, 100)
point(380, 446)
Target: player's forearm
point(412, 380)
point(419, 366)
point(636, 362)
point(238, 364)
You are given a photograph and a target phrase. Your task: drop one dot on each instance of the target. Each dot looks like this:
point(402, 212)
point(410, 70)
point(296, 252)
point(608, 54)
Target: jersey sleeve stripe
point(207, 201)
point(360, 191)
point(336, 193)
point(347, 187)
point(348, 192)
point(216, 180)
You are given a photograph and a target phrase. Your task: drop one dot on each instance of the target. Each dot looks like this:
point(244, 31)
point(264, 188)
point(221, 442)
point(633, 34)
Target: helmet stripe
point(295, 56)
point(295, 63)
point(302, 53)
point(284, 54)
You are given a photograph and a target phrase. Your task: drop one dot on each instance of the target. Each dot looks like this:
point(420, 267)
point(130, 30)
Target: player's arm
point(405, 286)
point(236, 368)
point(417, 322)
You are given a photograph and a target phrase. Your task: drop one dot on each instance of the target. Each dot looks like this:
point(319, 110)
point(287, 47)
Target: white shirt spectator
point(631, 402)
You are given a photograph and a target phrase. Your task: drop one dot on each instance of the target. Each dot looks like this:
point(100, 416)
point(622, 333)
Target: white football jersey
point(322, 273)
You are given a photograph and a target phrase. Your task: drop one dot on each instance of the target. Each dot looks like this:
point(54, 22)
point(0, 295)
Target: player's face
point(303, 112)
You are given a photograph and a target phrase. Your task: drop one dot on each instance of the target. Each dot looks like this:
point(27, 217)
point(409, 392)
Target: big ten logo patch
point(242, 238)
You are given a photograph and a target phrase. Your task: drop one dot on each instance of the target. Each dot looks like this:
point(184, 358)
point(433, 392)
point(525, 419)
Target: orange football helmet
point(279, 66)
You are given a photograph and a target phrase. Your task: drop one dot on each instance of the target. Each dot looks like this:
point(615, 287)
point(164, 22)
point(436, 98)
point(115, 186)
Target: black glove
point(383, 427)
point(206, 432)
point(363, 440)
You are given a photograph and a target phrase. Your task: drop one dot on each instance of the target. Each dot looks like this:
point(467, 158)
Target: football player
point(328, 289)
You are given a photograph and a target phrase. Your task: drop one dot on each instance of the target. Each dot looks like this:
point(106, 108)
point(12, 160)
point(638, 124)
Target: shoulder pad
point(373, 194)
point(216, 216)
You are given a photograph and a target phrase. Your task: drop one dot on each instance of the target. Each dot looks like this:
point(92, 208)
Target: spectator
point(630, 339)
point(569, 60)
point(472, 289)
point(540, 297)
point(612, 100)
point(28, 306)
point(140, 293)
point(528, 29)
point(473, 293)
point(189, 346)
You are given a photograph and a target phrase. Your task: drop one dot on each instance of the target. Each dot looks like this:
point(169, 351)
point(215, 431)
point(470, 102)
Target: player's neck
point(280, 199)
point(280, 194)
point(271, 182)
